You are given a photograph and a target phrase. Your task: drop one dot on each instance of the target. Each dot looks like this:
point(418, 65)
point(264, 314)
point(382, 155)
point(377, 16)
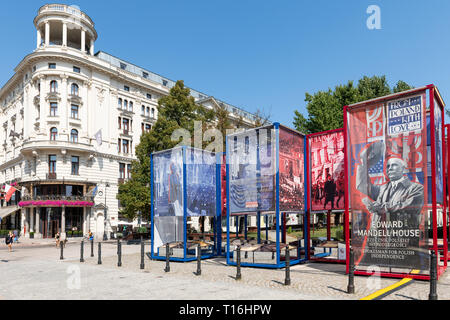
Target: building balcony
point(125, 112)
point(44, 145)
point(51, 176)
point(62, 8)
point(57, 201)
point(53, 96)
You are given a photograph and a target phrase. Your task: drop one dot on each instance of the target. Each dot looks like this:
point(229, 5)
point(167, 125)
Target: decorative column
point(39, 39)
point(64, 35)
point(63, 223)
point(27, 222)
point(83, 40)
point(23, 220)
point(31, 219)
point(64, 106)
point(13, 220)
point(84, 221)
point(37, 234)
point(92, 47)
point(47, 34)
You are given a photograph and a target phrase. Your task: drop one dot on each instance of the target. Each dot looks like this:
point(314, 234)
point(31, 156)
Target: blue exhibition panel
point(266, 179)
point(185, 187)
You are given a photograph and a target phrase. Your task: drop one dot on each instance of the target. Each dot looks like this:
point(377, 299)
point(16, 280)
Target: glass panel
point(201, 182)
point(251, 170)
point(168, 197)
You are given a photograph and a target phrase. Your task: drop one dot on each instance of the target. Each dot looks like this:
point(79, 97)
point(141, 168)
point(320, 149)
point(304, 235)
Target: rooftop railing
point(65, 8)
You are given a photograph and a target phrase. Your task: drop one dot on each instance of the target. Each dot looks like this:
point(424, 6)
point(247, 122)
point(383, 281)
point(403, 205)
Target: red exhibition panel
point(387, 163)
point(326, 154)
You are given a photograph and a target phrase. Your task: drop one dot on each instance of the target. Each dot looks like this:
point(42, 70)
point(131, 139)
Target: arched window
point(74, 89)
point(74, 136)
point(130, 106)
point(153, 112)
point(54, 86)
point(53, 134)
point(120, 103)
point(125, 104)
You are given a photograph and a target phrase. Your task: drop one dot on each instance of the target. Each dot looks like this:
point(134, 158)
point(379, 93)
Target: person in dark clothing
point(330, 192)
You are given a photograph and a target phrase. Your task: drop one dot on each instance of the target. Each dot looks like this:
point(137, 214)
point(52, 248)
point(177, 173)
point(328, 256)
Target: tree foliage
point(175, 111)
point(325, 108)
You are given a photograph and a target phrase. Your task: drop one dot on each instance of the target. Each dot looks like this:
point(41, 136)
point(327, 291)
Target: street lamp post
point(105, 215)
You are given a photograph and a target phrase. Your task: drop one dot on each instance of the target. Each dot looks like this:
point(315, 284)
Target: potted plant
point(31, 235)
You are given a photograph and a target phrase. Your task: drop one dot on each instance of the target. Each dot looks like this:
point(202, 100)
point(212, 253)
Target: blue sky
point(258, 54)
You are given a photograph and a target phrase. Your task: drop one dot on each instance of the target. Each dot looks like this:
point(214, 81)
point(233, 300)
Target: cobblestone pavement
point(38, 273)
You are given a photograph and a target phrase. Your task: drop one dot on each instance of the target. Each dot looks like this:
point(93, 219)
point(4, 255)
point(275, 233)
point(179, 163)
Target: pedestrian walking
point(16, 236)
point(9, 240)
point(57, 239)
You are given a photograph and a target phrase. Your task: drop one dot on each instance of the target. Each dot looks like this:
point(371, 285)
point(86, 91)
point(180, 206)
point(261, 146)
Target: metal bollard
point(238, 261)
point(62, 250)
point(287, 280)
point(82, 251)
point(92, 247)
point(142, 253)
point(433, 277)
point(351, 274)
point(199, 260)
point(99, 253)
point(119, 253)
point(167, 269)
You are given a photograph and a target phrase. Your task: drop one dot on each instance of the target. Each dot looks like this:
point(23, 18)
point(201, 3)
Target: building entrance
point(50, 222)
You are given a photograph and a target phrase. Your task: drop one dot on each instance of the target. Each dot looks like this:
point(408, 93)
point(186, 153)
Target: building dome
point(66, 26)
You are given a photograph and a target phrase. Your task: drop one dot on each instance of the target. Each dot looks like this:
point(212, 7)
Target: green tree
point(325, 108)
point(175, 111)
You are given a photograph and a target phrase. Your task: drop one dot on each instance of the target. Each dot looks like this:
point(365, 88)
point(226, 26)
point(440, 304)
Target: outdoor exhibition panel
point(388, 189)
point(185, 186)
point(266, 183)
point(326, 195)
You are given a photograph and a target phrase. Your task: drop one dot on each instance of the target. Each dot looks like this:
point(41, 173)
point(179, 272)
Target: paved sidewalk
point(38, 273)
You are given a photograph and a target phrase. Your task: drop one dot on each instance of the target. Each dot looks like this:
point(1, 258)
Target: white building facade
point(71, 120)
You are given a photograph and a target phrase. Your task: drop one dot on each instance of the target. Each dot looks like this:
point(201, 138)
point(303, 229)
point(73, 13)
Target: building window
point(146, 127)
point(119, 146)
point(53, 109)
point(120, 123)
point(122, 170)
point(54, 86)
point(145, 75)
point(123, 66)
point(120, 103)
point(52, 163)
point(74, 89)
point(75, 165)
point(130, 106)
point(147, 112)
point(76, 69)
point(125, 104)
point(128, 171)
point(53, 134)
point(126, 88)
point(149, 96)
point(52, 65)
point(74, 136)
point(164, 83)
point(74, 111)
point(153, 112)
point(143, 110)
point(125, 146)
point(126, 125)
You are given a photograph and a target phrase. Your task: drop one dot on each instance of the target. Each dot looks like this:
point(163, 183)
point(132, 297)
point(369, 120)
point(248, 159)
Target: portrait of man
point(398, 199)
